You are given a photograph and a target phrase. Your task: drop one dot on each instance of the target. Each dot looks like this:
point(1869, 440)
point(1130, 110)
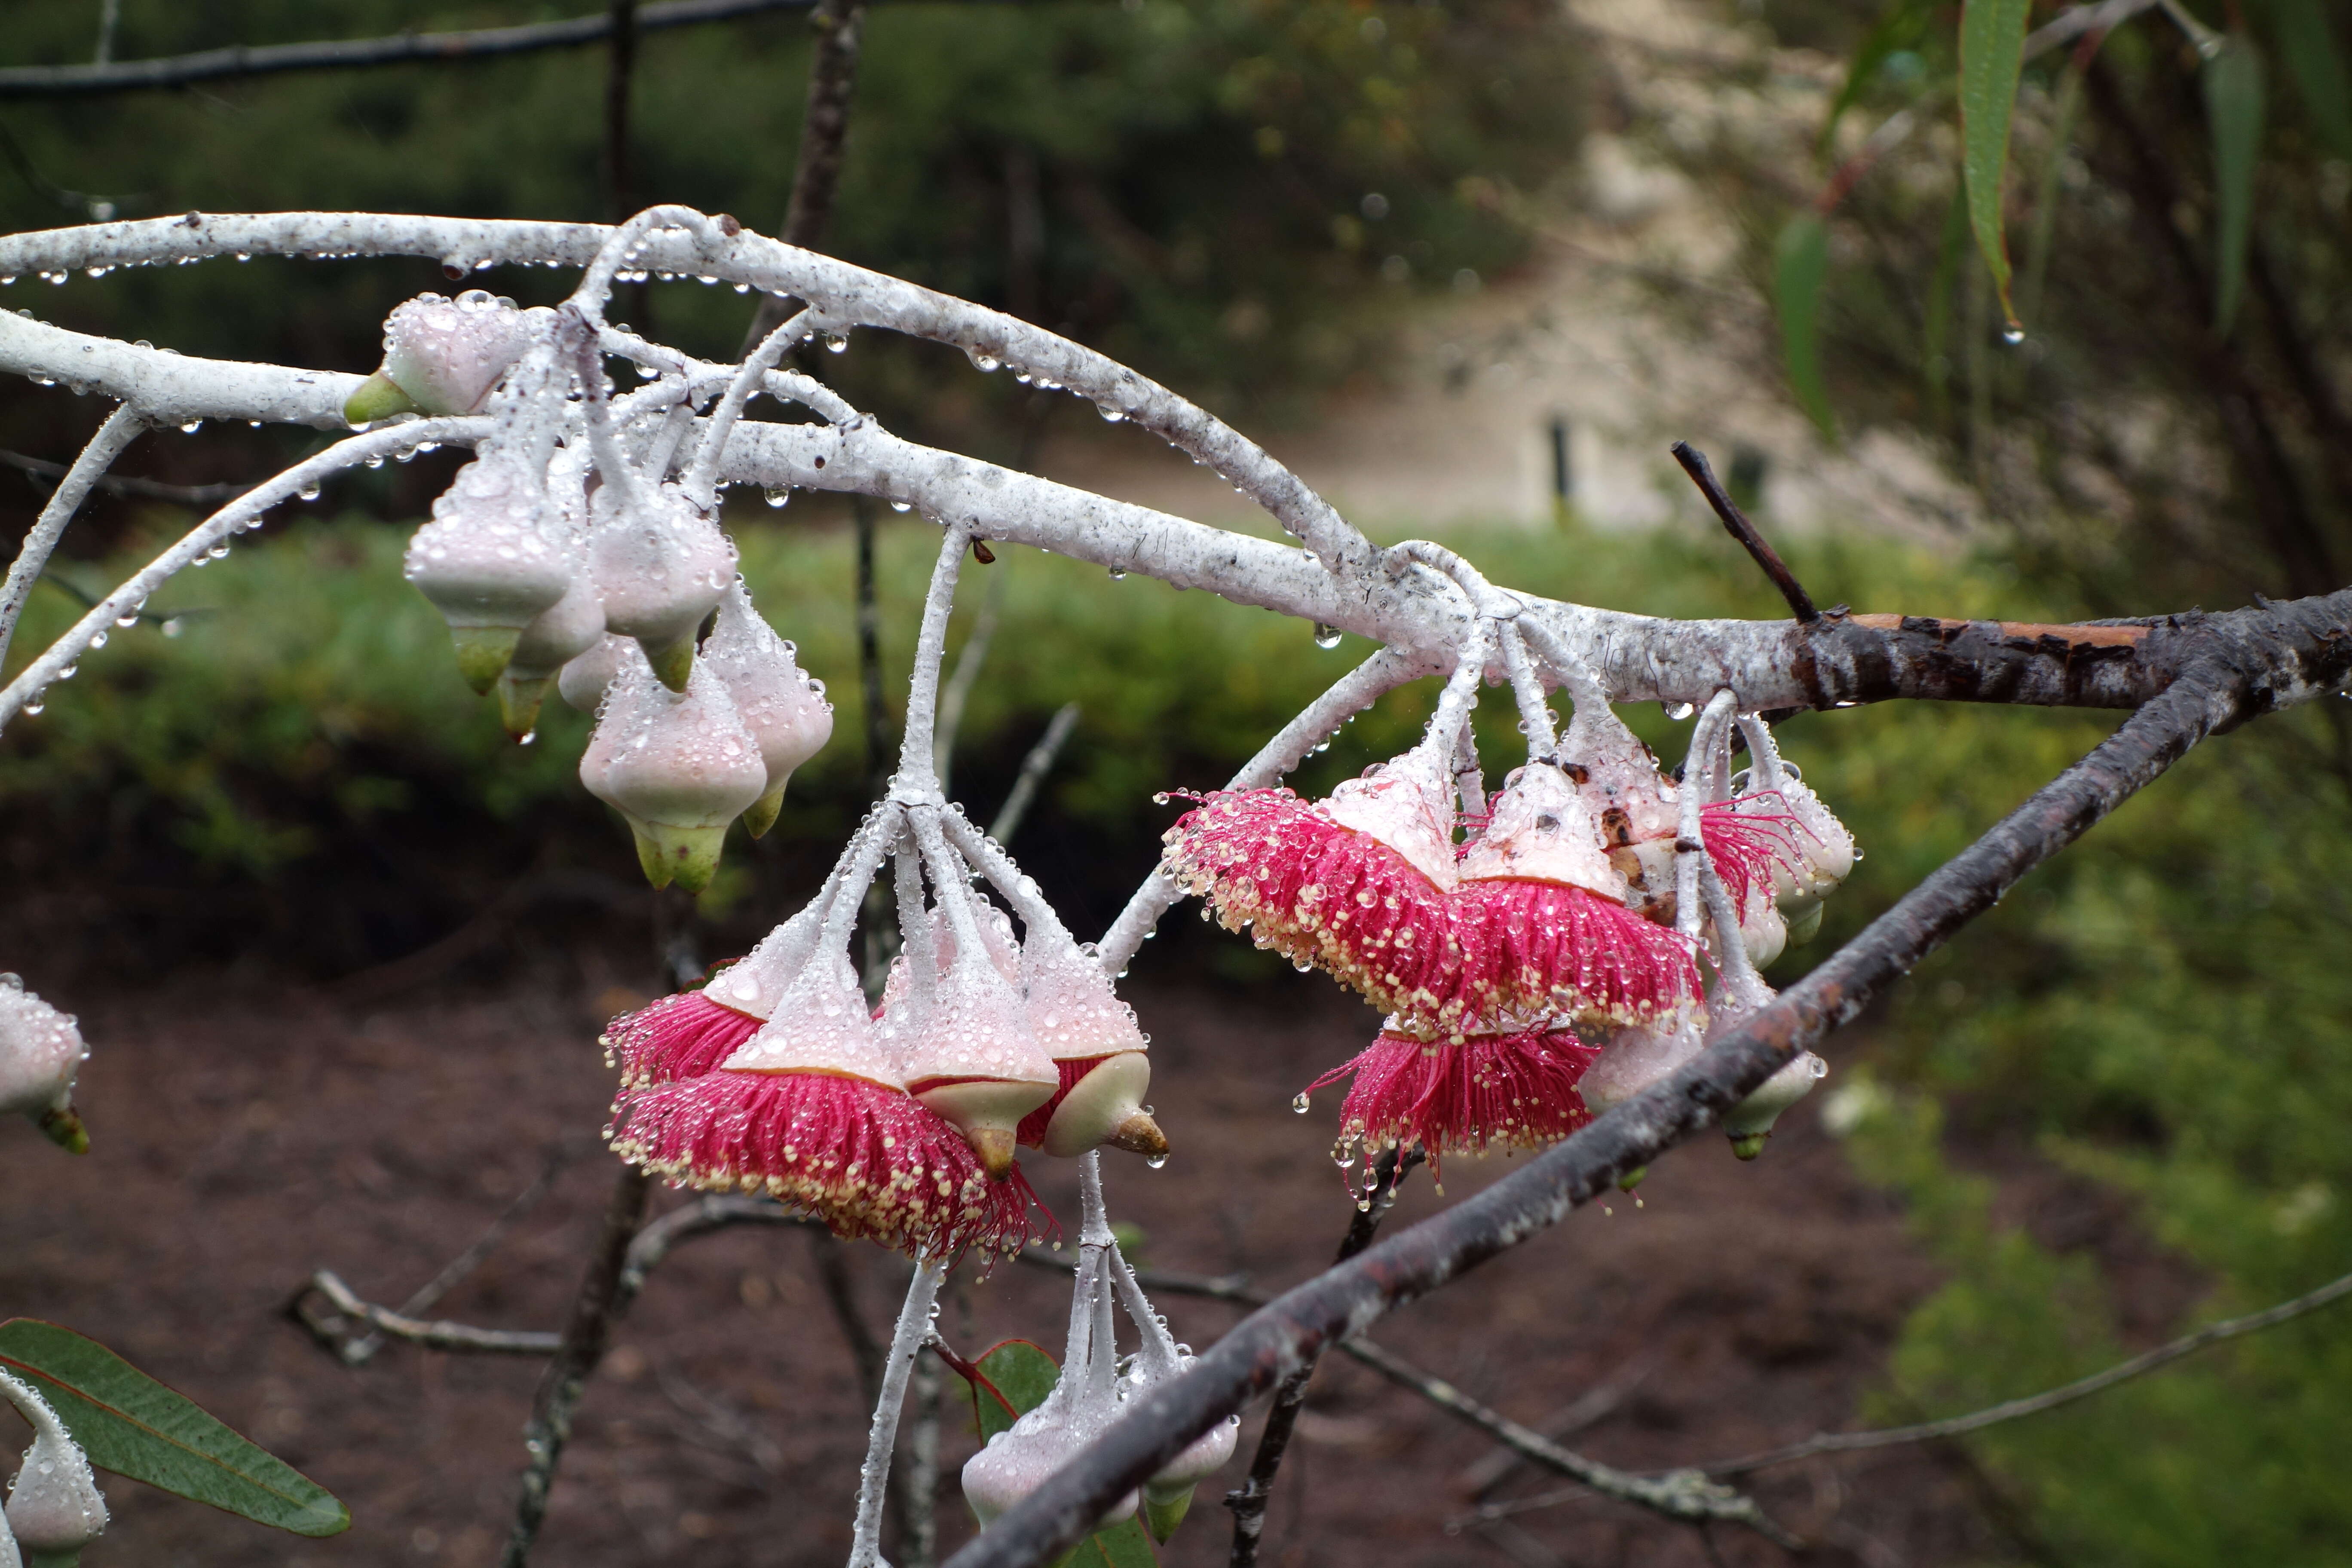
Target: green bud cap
point(1803, 928)
point(673, 662)
point(762, 817)
point(519, 696)
point(1162, 1518)
point(1632, 1178)
point(379, 397)
point(483, 653)
point(1749, 1145)
point(64, 1128)
point(686, 855)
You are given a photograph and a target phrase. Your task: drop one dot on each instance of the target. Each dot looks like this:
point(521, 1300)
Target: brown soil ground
point(243, 1141)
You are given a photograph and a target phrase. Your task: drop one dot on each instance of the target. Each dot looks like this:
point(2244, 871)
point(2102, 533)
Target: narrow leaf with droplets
point(1993, 52)
point(2233, 109)
point(2307, 41)
point(130, 1423)
point(1800, 265)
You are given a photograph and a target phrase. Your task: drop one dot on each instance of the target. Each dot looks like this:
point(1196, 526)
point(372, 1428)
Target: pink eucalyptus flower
point(1488, 1089)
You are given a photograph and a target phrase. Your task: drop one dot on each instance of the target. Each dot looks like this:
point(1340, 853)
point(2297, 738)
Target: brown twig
point(1248, 1500)
point(620, 67)
point(145, 489)
point(594, 1308)
point(2049, 1399)
point(1034, 769)
point(825, 131)
point(1694, 464)
point(432, 1336)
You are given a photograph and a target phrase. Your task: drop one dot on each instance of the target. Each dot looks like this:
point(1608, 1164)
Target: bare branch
point(825, 131)
point(121, 427)
point(433, 1336)
point(1735, 522)
point(432, 49)
point(2049, 1399)
point(1034, 769)
point(714, 1211)
point(117, 485)
point(2233, 681)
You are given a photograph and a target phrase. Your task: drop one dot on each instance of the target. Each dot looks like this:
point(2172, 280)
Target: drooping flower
point(971, 1056)
point(1542, 923)
point(694, 1032)
point(55, 1508)
point(585, 680)
point(1356, 885)
point(679, 766)
point(814, 1111)
point(441, 356)
point(489, 561)
point(661, 565)
point(784, 709)
point(1488, 1089)
point(41, 1049)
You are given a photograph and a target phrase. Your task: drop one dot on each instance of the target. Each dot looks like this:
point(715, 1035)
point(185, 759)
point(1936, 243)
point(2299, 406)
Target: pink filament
point(1746, 845)
point(867, 1160)
point(678, 1036)
point(1509, 1092)
point(1326, 895)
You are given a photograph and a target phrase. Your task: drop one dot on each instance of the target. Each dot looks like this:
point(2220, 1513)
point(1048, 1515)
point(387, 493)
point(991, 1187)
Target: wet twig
point(1034, 769)
point(432, 1336)
point(1735, 522)
point(145, 489)
point(825, 131)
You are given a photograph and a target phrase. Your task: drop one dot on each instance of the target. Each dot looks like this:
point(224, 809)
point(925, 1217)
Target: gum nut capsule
point(1750, 1121)
point(487, 561)
point(582, 681)
point(785, 709)
point(1017, 1461)
point(54, 1505)
point(1804, 925)
point(41, 1049)
point(661, 566)
point(445, 356)
point(679, 765)
point(1633, 1058)
point(977, 1063)
point(1168, 1495)
point(1098, 1049)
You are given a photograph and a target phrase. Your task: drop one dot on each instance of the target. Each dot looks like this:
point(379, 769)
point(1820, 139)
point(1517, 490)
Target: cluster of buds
point(899, 1121)
point(1092, 1387)
point(40, 1052)
point(55, 1508)
point(559, 556)
point(1530, 951)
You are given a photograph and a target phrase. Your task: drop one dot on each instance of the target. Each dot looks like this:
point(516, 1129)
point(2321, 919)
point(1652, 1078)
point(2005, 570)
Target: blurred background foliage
point(283, 751)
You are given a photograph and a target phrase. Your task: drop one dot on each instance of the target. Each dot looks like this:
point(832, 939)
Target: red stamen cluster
point(1747, 842)
point(1489, 1090)
point(1032, 1131)
point(867, 1159)
point(680, 1036)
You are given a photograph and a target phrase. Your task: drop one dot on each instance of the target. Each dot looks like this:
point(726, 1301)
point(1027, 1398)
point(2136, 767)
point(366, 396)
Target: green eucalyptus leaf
point(2233, 109)
point(1800, 265)
point(131, 1424)
point(2308, 44)
point(1992, 53)
point(1124, 1545)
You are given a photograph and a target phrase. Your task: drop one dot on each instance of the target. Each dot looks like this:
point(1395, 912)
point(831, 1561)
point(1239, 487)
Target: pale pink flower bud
point(661, 566)
point(679, 765)
point(566, 630)
point(976, 1061)
point(488, 562)
point(41, 1049)
point(1633, 1058)
point(445, 356)
point(1750, 1121)
point(1084, 1401)
point(784, 708)
point(1098, 1050)
point(53, 1504)
point(583, 680)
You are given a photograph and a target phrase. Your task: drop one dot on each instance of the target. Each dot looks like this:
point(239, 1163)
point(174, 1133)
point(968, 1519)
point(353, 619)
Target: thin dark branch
point(1249, 1501)
point(1588, 1409)
point(1694, 464)
point(1034, 769)
point(2235, 679)
point(2049, 1399)
point(621, 60)
point(437, 1336)
point(866, 1352)
point(598, 1304)
point(701, 1217)
point(146, 489)
point(825, 131)
point(400, 48)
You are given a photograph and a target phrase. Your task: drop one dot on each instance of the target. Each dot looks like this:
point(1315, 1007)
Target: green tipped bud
point(763, 811)
point(63, 1126)
point(686, 855)
point(1750, 1121)
point(519, 696)
point(379, 397)
point(673, 662)
point(483, 653)
point(1804, 927)
point(1162, 1518)
point(1749, 1146)
point(1632, 1178)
